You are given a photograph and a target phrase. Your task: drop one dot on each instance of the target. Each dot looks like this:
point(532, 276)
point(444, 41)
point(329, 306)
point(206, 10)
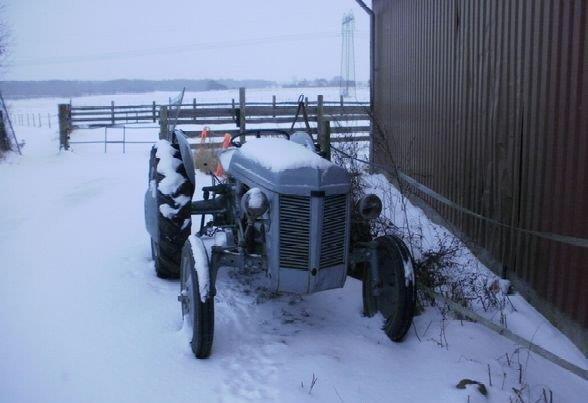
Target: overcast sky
point(107, 39)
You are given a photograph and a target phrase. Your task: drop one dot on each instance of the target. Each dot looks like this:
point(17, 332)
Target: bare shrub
point(442, 265)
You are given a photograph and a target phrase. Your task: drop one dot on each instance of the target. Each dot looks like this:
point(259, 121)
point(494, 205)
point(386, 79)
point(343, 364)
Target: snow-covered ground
point(83, 318)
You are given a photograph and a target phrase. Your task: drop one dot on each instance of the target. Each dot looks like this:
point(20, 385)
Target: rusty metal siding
point(486, 103)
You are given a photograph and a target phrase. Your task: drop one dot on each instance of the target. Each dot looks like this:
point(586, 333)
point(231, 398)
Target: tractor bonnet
point(287, 167)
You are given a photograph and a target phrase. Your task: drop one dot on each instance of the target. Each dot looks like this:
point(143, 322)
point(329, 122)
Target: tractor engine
point(301, 203)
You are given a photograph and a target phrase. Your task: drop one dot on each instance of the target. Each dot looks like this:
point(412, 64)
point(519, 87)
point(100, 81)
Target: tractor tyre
point(370, 303)
point(174, 221)
point(197, 312)
point(397, 297)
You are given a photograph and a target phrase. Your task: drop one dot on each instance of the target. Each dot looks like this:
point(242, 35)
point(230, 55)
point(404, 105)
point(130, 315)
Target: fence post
point(163, 129)
point(49, 120)
point(194, 106)
point(325, 137)
point(242, 104)
point(112, 111)
point(234, 113)
point(274, 105)
point(371, 143)
point(319, 115)
point(34, 122)
point(4, 140)
point(64, 113)
point(154, 116)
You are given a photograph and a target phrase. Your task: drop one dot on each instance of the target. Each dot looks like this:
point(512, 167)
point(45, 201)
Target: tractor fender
point(179, 137)
point(202, 267)
point(150, 202)
point(151, 210)
point(407, 259)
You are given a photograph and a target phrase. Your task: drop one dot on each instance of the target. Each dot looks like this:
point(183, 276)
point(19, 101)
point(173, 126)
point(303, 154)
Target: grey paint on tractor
point(151, 218)
point(308, 182)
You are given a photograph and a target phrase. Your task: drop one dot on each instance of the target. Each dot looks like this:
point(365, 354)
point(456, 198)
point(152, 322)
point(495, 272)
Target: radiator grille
point(294, 231)
point(333, 233)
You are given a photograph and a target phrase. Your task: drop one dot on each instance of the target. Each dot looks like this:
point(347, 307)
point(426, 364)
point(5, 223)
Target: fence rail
point(352, 118)
point(110, 115)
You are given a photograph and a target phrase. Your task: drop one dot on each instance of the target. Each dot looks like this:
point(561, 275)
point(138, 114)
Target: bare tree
point(5, 143)
point(4, 36)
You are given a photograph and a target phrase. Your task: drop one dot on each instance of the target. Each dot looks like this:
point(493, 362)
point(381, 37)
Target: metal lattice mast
point(347, 83)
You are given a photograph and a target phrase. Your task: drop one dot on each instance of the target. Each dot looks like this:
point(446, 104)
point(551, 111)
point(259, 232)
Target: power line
point(178, 49)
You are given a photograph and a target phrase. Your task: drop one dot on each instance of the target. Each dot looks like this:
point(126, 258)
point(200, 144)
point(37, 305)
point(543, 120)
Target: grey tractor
point(284, 209)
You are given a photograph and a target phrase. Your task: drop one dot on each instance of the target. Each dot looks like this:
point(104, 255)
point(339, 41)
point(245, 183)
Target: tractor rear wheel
point(197, 312)
point(396, 298)
point(173, 192)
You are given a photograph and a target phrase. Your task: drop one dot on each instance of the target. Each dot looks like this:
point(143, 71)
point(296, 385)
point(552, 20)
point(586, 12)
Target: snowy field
point(83, 318)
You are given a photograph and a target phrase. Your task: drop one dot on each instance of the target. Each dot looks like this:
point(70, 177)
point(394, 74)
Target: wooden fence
point(110, 115)
point(240, 114)
point(32, 119)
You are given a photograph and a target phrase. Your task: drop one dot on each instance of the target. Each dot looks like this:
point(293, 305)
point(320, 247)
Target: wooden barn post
point(163, 127)
point(64, 113)
point(242, 105)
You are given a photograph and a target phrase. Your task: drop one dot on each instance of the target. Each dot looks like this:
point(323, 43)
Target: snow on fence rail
point(352, 118)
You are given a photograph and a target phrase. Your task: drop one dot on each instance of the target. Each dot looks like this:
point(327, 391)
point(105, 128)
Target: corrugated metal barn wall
point(486, 103)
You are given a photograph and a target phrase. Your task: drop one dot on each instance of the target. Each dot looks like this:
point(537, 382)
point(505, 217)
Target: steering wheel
point(235, 142)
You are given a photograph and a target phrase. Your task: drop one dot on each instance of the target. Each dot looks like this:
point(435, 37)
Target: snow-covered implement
point(284, 209)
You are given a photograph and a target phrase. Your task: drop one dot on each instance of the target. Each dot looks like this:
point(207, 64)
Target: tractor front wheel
point(394, 294)
point(197, 312)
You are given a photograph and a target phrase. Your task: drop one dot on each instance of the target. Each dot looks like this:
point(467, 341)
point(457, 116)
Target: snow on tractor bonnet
point(284, 209)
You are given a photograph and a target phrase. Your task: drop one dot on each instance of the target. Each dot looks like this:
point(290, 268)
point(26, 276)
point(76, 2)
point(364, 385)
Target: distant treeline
point(323, 82)
point(63, 88)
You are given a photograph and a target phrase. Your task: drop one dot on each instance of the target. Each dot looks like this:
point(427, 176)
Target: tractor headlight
point(255, 203)
point(370, 206)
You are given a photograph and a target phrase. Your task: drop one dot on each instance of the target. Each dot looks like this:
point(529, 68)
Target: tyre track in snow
point(250, 369)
